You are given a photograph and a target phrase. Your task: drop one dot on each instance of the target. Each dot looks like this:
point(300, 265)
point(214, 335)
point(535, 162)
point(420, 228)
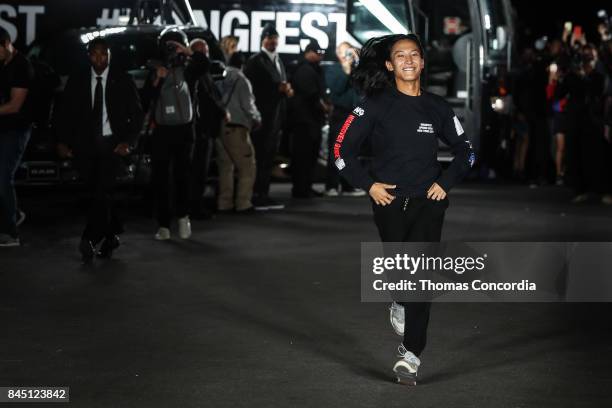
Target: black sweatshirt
point(403, 132)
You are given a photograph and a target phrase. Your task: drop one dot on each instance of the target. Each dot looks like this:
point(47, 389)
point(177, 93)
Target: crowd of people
point(187, 115)
point(562, 114)
point(560, 128)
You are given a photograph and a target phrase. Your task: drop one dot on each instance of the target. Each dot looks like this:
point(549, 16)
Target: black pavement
point(265, 311)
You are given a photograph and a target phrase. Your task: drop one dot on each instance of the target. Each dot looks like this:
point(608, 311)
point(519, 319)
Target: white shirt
point(106, 129)
point(274, 58)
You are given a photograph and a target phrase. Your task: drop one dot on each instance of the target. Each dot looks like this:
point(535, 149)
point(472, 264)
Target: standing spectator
point(586, 144)
point(606, 53)
point(210, 114)
point(99, 117)
point(344, 98)
point(171, 92)
point(234, 147)
point(267, 74)
point(16, 77)
point(307, 113)
point(531, 100)
point(229, 45)
point(557, 93)
point(525, 100)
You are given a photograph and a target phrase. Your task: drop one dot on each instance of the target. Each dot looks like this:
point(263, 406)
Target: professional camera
point(168, 50)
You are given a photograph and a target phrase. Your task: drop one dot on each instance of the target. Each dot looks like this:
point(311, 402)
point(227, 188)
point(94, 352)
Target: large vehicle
point(133, 46)
point(468, 44)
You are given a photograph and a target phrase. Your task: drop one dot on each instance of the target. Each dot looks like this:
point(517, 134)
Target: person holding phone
point(343, 97)
point(408, 189)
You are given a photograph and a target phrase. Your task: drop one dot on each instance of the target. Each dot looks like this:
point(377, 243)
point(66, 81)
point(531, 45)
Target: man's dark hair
point(97, 42)
point(236, 60)
point(371, 75)
point(4, 37)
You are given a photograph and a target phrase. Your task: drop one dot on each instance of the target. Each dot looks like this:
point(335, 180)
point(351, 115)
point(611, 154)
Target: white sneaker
point(184, 227)
point(407, 367)
point(397, 318)
point(9, 241)
point(163, 234)
point(332, 192)
point(354, 193)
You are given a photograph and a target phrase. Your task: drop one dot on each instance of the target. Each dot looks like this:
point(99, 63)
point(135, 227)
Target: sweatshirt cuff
point(445, 182)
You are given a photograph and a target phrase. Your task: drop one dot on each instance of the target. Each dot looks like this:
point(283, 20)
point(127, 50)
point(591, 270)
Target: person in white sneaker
point(409, 200)
point(168, 93)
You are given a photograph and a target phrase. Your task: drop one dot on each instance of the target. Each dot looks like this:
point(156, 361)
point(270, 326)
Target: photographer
point(344, 98)
point(557, 93)
point(169, 95)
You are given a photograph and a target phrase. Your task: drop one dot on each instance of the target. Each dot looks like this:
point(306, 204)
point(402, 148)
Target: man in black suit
point(266, 72)
point(98, 118)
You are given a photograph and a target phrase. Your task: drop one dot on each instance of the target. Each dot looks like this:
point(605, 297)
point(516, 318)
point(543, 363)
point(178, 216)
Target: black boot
point(86, 248)
point(108, 246)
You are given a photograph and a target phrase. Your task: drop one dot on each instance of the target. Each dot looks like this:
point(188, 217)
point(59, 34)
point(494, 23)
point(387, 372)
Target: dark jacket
point(73, 117)
point(308, 83)
point(265, 79)
point(210, 111)
point(342, 93)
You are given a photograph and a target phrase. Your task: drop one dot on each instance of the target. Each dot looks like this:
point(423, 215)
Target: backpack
point(174, 104)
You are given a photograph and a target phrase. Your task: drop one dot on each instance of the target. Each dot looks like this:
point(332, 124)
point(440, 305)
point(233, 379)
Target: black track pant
point(418, 220)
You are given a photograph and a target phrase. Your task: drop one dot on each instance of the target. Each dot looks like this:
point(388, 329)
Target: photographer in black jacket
point(169, 93)
point(408, 188)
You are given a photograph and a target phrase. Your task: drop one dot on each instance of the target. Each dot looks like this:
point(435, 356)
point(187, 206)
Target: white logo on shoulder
point(358, 111)
point(425, 128)
point(458, 126)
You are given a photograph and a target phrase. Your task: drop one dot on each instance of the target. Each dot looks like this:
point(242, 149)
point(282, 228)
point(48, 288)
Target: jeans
point(12, 146)
point(171, 162)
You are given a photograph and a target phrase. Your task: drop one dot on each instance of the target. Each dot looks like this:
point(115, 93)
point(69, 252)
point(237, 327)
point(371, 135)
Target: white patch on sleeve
point(359, 111)
point(458, 126)
point(340, 164)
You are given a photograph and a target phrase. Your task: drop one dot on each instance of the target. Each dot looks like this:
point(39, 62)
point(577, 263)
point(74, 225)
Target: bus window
point(445, 25)
point(495, 23)
point(373, 18)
